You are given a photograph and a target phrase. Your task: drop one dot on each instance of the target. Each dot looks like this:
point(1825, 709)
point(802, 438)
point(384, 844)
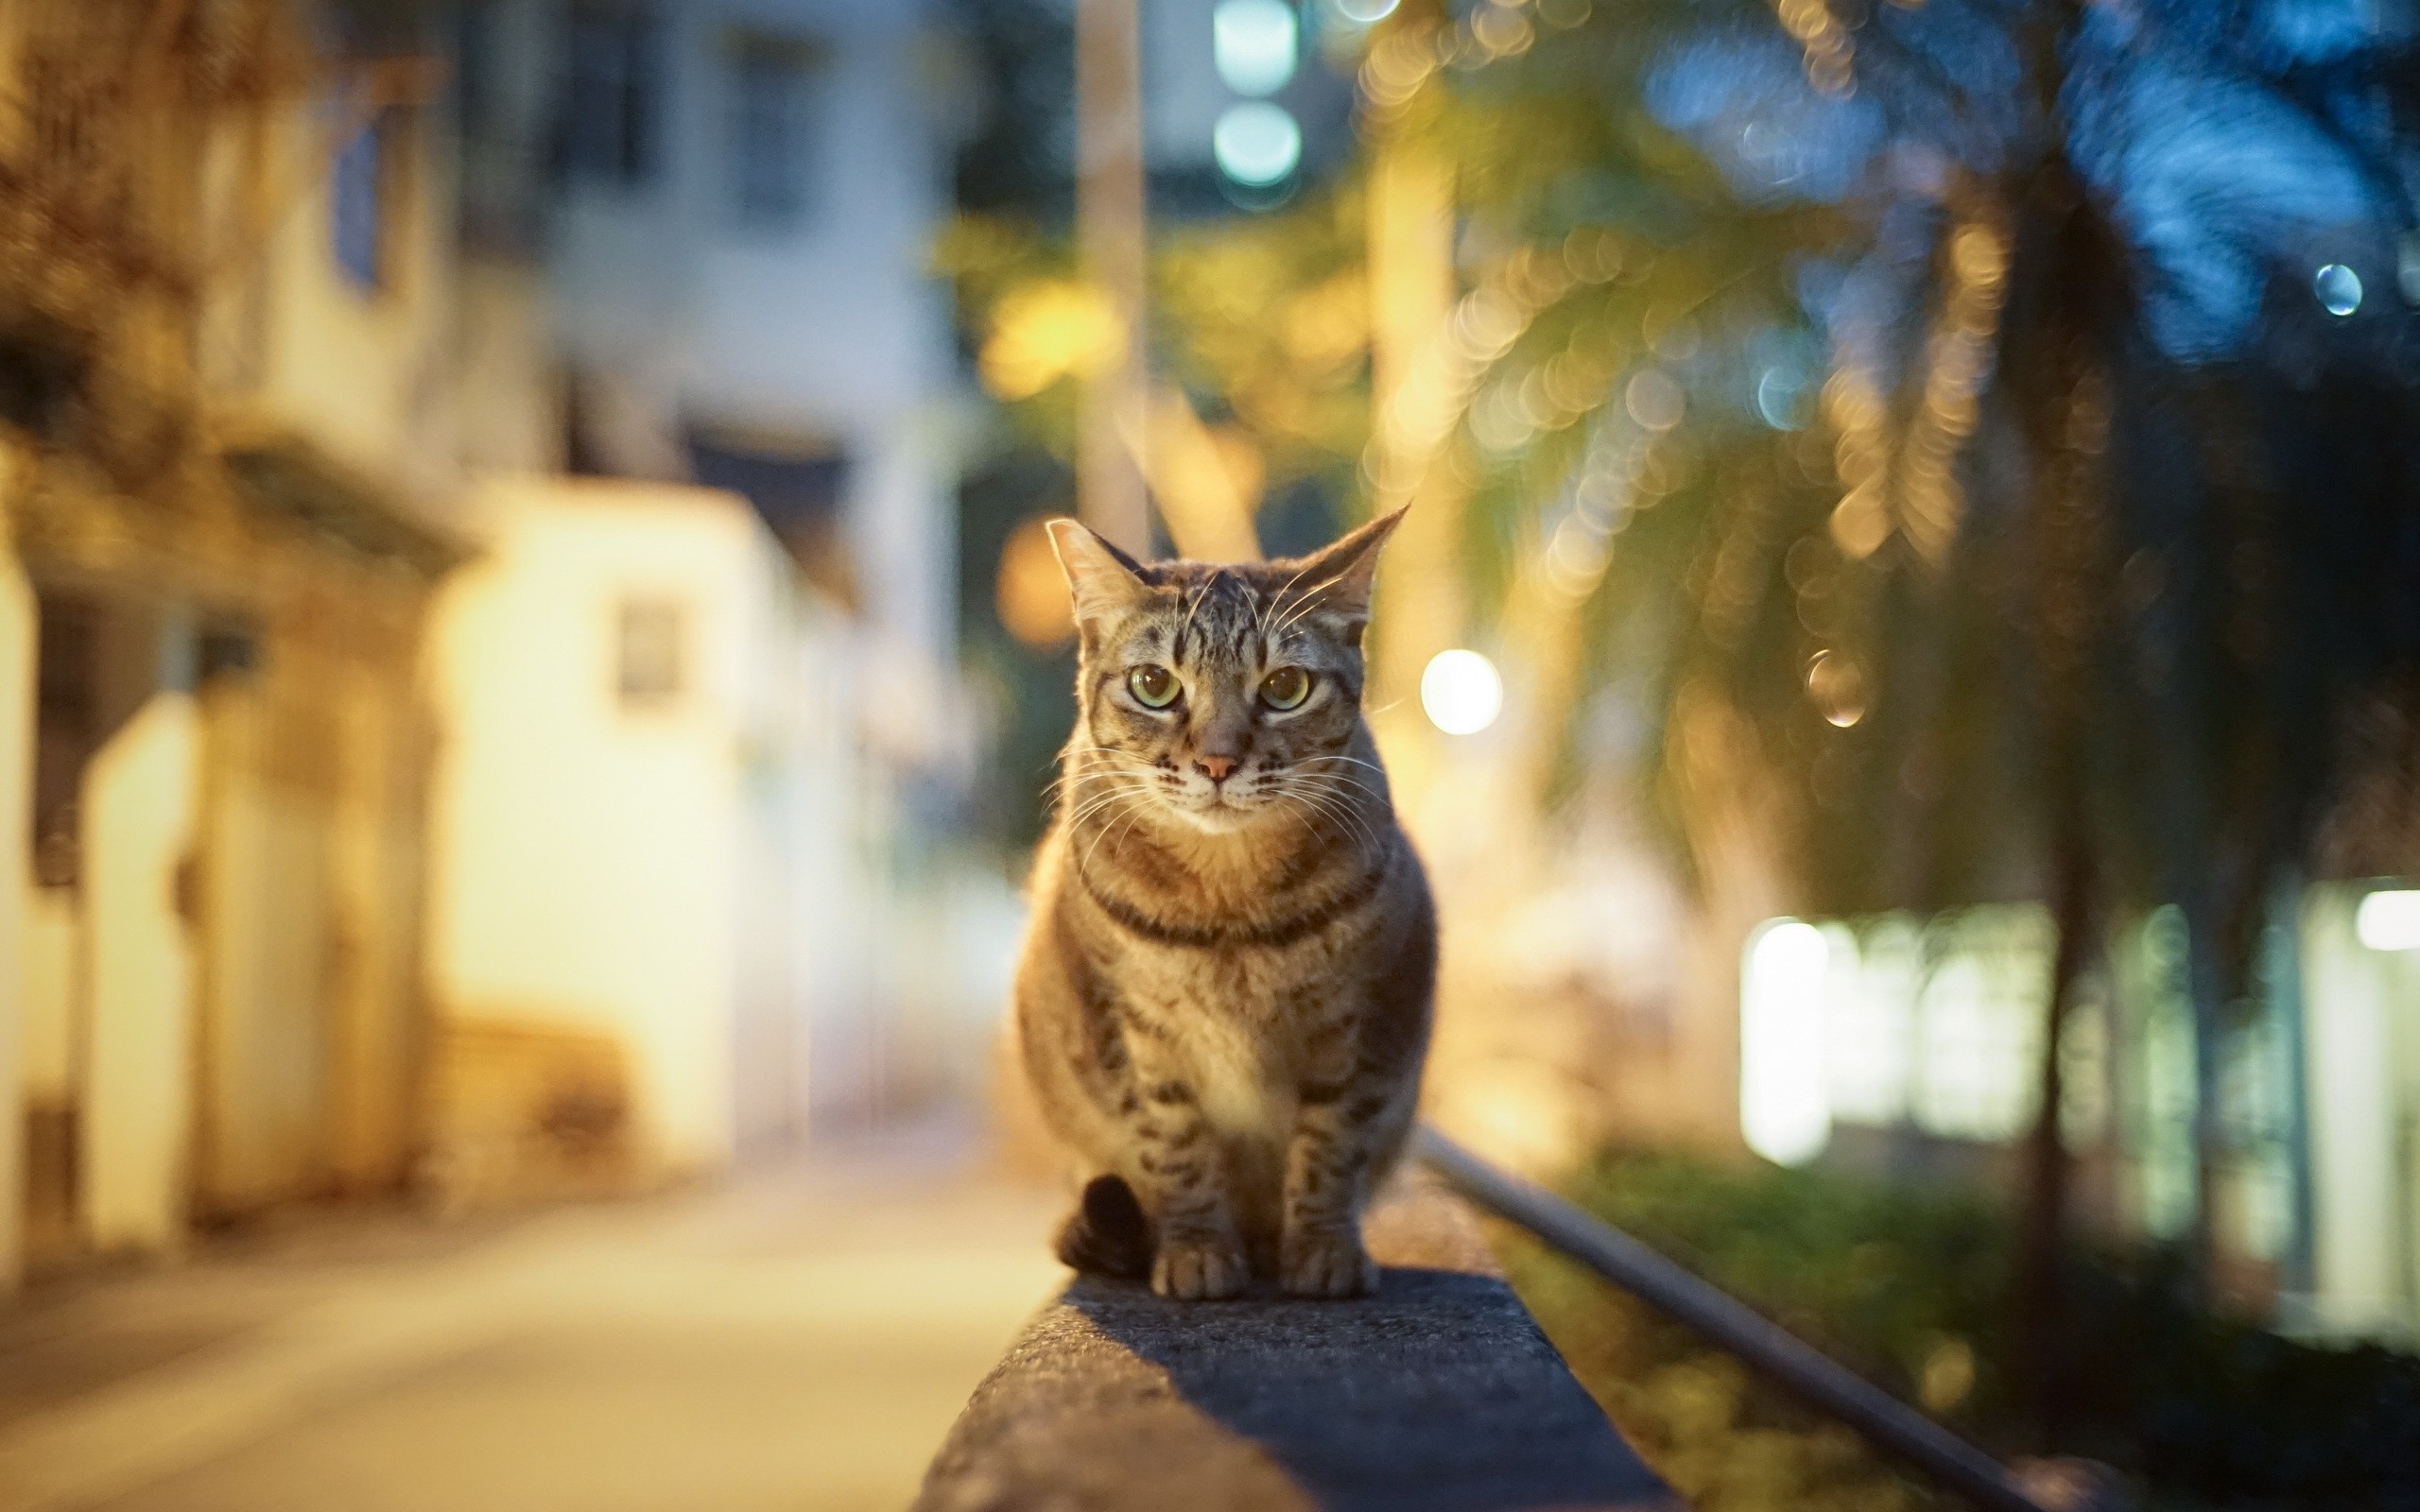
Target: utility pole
point(1410, 229)
point(1412, 290)
point(1113, 407)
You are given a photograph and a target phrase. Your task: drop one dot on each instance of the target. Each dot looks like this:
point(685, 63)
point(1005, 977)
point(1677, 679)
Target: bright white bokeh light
point(1785, 1105)
point(1460, 692)
point(1781, 399)
point(1254, 45)
point(1256, 144)
point(1365, 12)
point(2338, 289)
point(2389, 921)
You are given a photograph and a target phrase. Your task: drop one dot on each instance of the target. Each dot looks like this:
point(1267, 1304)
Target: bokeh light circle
point(1256, 142)
point(1253, 43)
point(1460, 692)
point(2389, 921)
point(1654, 400)
point(2338, 289)
point(1785, 1105)
point(1782, 398)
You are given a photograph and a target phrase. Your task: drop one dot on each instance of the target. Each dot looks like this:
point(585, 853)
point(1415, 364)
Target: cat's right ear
point(1103, 579)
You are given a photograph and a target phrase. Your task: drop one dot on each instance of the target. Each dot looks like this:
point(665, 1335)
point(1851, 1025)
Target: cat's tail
point(1108, 1234)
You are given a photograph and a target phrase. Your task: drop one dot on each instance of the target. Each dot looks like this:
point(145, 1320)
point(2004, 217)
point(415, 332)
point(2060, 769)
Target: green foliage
point(1266, 324)
point(1909, 1286)
point(2088, 574)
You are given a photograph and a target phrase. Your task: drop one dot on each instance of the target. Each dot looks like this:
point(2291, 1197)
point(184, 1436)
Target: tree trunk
point(2206, 982)
point(2058, 371)
point(2042, 1235)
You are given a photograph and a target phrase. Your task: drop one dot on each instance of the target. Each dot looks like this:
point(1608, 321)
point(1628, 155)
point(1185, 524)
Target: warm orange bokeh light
point(1031, 595)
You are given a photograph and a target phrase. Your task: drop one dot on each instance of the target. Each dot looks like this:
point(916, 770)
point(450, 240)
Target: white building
point(647, 837)
point(702, 231)
point(694, 263)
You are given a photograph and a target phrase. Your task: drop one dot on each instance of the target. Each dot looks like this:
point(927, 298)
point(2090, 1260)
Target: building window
point(226, 653)
point(650, 651)
point(769, 130)
point(611, 98)
point(67, 731)
point(361, 195)
point(477, 97)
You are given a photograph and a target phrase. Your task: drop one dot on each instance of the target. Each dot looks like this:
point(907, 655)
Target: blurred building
point(648, 827)
point(474, 600)
point(692, 257)
point(695, 243)
point(220, 435)
point(1910, 1047)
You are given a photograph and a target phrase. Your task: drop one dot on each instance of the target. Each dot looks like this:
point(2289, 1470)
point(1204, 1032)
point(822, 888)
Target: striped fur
point(1224, 996)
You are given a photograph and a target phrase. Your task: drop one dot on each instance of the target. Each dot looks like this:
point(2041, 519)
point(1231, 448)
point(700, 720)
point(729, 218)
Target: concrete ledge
point(1438, 1395)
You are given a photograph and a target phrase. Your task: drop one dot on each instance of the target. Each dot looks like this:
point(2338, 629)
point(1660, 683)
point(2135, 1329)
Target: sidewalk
point(800, 1340)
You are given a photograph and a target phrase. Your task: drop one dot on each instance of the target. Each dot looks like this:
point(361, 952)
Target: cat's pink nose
point(1215, 768)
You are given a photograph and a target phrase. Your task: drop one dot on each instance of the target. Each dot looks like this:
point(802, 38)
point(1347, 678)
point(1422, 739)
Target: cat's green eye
point(1285, 688)
point(1153, 687)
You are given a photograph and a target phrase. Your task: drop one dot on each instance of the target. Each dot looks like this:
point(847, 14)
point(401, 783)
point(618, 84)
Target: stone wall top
point(1439, 1393)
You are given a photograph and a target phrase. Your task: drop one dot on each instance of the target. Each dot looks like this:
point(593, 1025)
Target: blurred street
point(798, 1339)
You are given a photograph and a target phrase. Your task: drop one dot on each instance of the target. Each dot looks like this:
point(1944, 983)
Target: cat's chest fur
point(1229, 1017)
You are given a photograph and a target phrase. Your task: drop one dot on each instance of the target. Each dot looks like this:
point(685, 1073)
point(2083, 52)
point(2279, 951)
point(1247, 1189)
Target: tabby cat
point(1223, 1000)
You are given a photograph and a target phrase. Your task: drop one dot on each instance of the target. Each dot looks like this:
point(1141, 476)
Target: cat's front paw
point(1198, 1269)
point(1325, 1263)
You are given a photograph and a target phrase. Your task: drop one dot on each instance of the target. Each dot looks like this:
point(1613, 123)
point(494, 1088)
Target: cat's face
point(1220, 695)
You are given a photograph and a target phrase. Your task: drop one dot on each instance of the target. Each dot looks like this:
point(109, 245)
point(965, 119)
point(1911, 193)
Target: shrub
point(1911, 1286)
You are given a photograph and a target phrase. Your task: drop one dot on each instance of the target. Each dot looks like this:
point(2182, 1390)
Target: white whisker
point(1335, 803)
point(1260, 622)
point(1121, 827)
point(1310, 602)
point(1110, 802)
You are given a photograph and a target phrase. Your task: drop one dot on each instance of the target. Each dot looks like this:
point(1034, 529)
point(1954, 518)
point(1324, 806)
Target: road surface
point(799, 1340)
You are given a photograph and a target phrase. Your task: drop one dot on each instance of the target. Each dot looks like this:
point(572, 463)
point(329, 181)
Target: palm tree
point(2092, 555)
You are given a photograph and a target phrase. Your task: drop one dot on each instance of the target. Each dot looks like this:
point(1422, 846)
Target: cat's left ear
point(1101, 577)
point(1341, 574)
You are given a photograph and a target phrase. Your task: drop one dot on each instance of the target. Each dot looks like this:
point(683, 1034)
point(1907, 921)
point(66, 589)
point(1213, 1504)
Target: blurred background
point(529, 665)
